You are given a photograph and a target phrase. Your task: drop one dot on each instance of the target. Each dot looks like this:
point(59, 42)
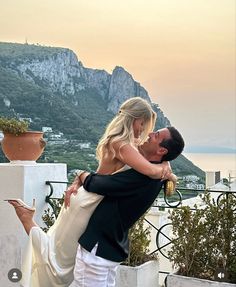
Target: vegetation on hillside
point(85, 121)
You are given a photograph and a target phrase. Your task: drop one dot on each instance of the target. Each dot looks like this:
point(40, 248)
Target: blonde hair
point(121, 127)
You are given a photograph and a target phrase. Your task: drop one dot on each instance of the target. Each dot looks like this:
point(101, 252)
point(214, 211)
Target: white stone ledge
point(183, 281)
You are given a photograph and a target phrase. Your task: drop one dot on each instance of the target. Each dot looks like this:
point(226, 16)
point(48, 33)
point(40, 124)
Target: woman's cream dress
point(50, 257)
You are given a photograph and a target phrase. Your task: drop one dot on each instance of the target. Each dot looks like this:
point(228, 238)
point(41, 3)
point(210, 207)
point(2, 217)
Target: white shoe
point(21, 203)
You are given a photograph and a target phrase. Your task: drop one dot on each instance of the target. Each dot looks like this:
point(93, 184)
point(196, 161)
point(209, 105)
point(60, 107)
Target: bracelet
point(162, 172)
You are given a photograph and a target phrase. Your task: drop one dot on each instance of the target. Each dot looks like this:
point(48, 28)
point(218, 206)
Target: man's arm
point(121, 184)
point(117, 185)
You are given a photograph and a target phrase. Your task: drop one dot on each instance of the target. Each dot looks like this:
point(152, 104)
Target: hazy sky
point(181, 51)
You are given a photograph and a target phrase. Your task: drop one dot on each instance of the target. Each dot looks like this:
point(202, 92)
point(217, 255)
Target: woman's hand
point(72, 189)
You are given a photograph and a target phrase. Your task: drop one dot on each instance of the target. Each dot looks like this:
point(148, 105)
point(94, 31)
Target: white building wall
point(212, 177)
point(158, 219)
point(25, 181)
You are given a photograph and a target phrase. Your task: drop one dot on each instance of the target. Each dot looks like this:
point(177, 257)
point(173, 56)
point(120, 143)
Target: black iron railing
point(161, 230)
point(171, 202)
point(49, 198)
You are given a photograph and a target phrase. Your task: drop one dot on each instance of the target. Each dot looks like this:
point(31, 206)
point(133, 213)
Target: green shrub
point(13, 126)
point(205, 239)
point(50, 215)
point(139, 240)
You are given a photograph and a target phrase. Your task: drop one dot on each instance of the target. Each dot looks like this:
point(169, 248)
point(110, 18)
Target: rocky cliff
point(60, 71)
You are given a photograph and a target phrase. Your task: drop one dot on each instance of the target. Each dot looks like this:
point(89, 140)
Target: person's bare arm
point(130, 156)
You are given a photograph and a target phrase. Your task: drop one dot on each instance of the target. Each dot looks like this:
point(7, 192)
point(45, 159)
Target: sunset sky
point(181, 51)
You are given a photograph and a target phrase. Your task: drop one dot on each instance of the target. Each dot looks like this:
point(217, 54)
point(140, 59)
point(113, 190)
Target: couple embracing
point(90, 236)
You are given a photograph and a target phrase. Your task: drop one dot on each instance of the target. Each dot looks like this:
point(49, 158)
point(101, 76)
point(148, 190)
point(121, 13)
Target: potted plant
point(19, 143)
point(140, 269)
point(205, 244)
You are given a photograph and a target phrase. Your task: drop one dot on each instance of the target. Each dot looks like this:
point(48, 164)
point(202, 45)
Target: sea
point(223, 162)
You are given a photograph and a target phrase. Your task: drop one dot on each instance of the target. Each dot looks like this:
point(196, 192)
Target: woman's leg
point(25, 215)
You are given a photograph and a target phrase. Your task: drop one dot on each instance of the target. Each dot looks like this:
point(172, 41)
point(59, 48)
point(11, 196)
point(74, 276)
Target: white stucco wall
point(159, 218)
point(25, 181)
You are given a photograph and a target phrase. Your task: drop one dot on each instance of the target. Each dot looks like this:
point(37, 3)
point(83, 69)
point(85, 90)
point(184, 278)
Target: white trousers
point(93, 271)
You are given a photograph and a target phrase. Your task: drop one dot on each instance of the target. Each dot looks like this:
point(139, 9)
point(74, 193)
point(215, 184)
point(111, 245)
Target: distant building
point(212, 178)
point(47, 129)
point(221, 186)
point(84, 145)
point(191, 177)
point(196, 186)
point(26, 119)
point(55, 136)
point(91, 155)
point(7, 102)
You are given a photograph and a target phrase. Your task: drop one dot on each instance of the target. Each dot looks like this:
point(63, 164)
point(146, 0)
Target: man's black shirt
point(128, 195)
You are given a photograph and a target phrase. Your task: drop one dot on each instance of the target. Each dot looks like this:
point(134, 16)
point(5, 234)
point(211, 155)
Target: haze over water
point(223, 162)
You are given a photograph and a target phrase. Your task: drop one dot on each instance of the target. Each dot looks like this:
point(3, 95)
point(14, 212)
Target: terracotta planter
point(26, 147)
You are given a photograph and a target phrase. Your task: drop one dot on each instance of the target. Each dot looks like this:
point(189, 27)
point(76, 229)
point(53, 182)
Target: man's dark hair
point(174, 145)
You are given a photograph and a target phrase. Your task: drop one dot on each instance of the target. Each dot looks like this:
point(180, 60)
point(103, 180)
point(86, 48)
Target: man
point(128, 195)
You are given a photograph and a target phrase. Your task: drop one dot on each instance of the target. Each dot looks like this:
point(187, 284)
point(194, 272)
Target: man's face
point(152, 145)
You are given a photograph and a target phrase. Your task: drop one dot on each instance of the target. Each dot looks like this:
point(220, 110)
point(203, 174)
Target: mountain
point(52, 88)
